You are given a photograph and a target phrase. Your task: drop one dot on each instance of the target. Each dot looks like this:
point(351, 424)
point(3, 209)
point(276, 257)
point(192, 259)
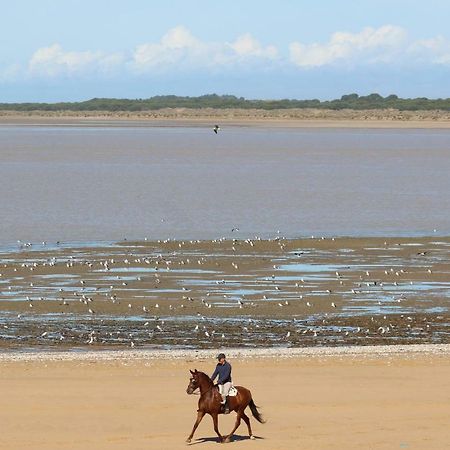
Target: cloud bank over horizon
point(179, 48)
point(180, 53)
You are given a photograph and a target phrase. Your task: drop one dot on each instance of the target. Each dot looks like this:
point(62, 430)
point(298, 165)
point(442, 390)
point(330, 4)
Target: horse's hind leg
point(200, 415)
point(247, 421)
point(216, 426)
point(236, 425)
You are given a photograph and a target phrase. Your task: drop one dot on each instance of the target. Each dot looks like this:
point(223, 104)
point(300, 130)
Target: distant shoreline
point(292, 118)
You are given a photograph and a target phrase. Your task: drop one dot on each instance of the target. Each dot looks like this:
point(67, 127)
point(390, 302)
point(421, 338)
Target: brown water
point(67, 183)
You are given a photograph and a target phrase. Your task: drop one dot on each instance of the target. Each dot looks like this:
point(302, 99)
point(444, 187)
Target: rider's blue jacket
point(224, 372)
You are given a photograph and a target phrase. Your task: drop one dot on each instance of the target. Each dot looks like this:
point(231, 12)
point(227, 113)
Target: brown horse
point(209, 403)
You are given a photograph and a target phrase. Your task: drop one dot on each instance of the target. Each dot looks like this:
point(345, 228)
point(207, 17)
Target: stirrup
point(225, 408)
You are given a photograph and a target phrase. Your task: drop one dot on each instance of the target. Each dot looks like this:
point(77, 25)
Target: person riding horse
point(223, 371)
point(209, 403)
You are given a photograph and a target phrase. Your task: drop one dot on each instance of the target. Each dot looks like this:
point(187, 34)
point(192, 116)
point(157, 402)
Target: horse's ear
point(192, 373)
point(195, 370)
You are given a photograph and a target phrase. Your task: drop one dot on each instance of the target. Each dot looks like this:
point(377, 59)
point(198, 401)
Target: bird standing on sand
point(216, 128)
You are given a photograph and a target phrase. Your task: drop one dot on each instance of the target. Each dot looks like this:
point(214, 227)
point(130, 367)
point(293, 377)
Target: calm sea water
point(105, 183)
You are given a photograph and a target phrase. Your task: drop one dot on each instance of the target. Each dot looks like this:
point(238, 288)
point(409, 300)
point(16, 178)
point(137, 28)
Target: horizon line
point(344, 97)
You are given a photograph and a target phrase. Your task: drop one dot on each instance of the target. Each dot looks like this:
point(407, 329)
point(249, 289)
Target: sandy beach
point(204, 117)
point(348, 398)
point(265, 180)
point(307, 298)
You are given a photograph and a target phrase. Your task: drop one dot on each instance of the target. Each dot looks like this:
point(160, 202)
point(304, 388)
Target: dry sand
point(390, 118)
point(371, 398)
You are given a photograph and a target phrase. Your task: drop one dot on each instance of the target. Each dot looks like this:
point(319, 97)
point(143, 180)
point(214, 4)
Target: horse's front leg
point(236, 426)
point(216, 426)
point(200, 415)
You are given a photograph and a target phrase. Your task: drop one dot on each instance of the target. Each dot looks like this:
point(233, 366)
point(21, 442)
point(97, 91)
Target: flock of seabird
point(288, 293)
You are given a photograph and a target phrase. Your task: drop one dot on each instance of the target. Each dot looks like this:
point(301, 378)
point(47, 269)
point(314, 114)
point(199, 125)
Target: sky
point(72, 50)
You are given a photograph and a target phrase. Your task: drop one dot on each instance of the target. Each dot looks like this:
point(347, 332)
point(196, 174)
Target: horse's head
point(193, 382)
point(199, 380)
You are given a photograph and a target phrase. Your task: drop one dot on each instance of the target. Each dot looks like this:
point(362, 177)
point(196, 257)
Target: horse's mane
point(204, 376)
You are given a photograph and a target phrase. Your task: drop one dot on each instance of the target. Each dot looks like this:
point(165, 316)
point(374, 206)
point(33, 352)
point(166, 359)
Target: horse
point(210, 403)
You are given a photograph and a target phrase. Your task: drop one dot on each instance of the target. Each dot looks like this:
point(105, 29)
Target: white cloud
point(179, 38)
point(179, 50)
point(247, 45)
point(54, 60)
point(435, 50)
point(368, 46)
point(179, 47)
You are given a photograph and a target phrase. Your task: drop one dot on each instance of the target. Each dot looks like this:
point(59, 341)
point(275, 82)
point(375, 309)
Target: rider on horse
point(209, 403)
point(223, 370)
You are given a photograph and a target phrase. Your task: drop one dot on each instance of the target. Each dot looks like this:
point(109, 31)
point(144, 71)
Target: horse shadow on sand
point(235, 438)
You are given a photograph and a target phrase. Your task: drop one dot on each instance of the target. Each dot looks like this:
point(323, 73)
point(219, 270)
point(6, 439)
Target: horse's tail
point(256, 414)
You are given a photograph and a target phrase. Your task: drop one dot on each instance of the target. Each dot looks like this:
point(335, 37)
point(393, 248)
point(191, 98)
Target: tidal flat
point(226, 292)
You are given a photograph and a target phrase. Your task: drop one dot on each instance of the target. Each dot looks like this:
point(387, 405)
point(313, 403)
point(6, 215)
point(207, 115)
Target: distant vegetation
point(350, 101)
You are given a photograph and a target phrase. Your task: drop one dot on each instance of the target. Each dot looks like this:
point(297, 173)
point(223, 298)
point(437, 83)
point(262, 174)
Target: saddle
point(232, 392)
point(224, 408)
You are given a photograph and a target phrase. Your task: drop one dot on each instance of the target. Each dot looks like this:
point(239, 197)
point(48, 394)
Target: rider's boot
point(225, 407)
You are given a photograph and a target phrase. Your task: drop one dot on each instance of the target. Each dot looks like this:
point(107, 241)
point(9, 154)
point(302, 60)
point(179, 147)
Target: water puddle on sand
point(193, 294)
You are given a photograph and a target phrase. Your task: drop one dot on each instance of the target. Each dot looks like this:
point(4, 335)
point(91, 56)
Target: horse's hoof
point(188, 440)
point(227, 440)
point(252, 437)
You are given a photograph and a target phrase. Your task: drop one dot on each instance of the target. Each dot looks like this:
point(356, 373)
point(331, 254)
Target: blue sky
point(53, 50)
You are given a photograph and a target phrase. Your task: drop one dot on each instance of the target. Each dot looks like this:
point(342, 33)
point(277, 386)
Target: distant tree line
point(350, 101)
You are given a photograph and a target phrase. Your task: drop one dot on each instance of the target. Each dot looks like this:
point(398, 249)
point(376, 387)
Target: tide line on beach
point(372, 351)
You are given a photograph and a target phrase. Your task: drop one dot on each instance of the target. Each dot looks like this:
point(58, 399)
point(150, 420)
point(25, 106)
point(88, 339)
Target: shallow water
point(188, 294)
point(107, 183)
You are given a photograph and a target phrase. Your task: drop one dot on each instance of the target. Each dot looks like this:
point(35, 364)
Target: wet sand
point(245, 293)
point(392, 398)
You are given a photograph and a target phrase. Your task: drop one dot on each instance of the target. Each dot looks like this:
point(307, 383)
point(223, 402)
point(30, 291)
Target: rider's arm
point(214, 375)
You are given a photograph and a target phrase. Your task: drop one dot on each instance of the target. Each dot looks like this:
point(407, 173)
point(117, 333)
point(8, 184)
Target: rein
point(212, 387)
point(202, 393)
